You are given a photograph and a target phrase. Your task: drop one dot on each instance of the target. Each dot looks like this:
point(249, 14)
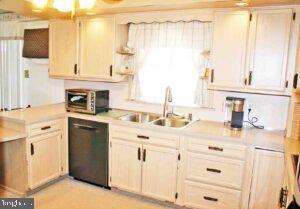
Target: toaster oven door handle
point(78, 93)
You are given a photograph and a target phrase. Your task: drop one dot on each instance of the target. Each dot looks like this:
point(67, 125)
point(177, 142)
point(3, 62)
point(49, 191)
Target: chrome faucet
point(168, 98)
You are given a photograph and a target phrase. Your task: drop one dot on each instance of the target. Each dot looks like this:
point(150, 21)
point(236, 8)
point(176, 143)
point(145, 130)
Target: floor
point(70, 194)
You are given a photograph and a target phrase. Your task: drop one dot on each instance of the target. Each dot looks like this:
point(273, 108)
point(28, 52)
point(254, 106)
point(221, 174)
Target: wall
point(271, 110)
point(39, 89)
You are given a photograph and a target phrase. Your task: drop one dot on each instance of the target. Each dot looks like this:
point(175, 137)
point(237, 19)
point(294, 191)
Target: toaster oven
point(87, 101)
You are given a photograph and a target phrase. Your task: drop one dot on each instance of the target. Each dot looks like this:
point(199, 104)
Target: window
point(170, 54)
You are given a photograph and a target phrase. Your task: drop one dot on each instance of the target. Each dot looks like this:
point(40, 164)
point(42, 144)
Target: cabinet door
point(269, 43)
point(126, 165)
point(159, 172)
point(267, 179)
point(97, 38)
point(229, 49)
point(62, 48)
point(45, 158)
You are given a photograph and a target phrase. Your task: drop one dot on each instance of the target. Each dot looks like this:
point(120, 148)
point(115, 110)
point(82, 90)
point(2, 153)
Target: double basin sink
point(153, 119)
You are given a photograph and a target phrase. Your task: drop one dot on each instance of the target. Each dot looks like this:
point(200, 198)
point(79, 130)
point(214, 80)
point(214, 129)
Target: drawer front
point(215, 170)
point(145, 136)
point(44, 127)
point(217, 148)
point(210, 197)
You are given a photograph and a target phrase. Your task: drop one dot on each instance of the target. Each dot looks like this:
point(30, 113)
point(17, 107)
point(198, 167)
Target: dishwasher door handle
point(89, 128)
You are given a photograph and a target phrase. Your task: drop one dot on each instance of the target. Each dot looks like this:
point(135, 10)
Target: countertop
point(7, 135)
point(208, 129)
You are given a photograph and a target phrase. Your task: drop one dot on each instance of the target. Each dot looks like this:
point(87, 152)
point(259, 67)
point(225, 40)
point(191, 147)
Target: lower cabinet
point(268, 175)
point(126, 165)
point(44, 158)
point(144, 169)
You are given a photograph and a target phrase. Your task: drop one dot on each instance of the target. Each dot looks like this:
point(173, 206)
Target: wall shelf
point(125, 73)
point(126, 53)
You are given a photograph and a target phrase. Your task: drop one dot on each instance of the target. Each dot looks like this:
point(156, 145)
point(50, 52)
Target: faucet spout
point(168, 98)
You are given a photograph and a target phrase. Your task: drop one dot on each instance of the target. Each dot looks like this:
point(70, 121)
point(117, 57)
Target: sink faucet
point(168, 98)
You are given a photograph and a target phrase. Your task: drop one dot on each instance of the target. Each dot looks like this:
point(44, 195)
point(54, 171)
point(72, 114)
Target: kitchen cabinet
point(159, 172)
point(126, 165)
point(96, 56)
point(268, 175)
point(62, 48)
point(85, 49)
point(268, 49)
point(229, 49)
point(250, 51)
point(45, 158)
point(144, 163)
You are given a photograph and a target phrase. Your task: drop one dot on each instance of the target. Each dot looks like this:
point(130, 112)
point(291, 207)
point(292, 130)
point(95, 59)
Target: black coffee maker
point(234, 112)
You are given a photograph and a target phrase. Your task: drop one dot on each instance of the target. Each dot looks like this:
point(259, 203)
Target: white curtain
point(170, 54)
point(11, 33)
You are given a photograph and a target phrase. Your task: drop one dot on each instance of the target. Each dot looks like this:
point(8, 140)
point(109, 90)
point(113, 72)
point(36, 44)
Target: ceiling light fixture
point(241, 4)
point(40, 3)
point(64, 5)
point(86, 4)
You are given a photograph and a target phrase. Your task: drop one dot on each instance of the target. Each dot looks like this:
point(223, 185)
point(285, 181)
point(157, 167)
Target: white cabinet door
point(44, 159)
point(268, 49)
point(267, 179)
point(229, 49)
point(159, 172)
point(62, 48)
point(126, 165)
point(97, 37)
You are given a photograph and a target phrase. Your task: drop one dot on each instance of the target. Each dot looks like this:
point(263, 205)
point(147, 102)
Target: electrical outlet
point(26, 73)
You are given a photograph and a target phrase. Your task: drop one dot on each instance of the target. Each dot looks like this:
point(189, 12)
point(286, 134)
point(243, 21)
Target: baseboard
point(13, 191)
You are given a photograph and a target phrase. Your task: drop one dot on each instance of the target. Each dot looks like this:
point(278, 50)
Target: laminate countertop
point(200, 129)
point(7, 135)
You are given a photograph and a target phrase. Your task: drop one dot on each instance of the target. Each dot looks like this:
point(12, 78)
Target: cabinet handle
point(31, 149)
point(139, 153)
point(144, 155)
point(212, 75)
point(216, 149)
point(250, 78)
point(210, 199)
point(143, 137)
point(75, 69)
point(111, 70)
point(283, 198)
point(45, 128)
point(213, 170)
point(295, 81)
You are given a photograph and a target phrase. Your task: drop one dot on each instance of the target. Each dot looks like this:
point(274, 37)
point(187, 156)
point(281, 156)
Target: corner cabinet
point(268, 176)
point(250, 51)
point(84, 49)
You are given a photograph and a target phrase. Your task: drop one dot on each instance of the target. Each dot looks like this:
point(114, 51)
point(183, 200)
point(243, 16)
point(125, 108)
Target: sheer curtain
point(10, 64)
point(170, 54)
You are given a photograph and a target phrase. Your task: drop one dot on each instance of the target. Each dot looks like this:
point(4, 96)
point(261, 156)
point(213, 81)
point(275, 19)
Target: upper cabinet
point(250, 51)
point(229, 49)
point(84, 49)
point(62, 48)
point(96, 47)
point(268, 49)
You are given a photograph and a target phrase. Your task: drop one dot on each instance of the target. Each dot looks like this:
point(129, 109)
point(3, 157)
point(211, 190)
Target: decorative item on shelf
point(205, 53)
point(125, 71)
point(126, 51)
point(205, 75)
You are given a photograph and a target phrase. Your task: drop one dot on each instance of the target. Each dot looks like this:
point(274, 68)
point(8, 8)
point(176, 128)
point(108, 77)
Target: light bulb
point(64, 5)
point(86, 4)
point(40, 3)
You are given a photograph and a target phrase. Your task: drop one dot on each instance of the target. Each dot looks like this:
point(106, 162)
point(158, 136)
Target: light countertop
point(207, 129)
point(7, 135)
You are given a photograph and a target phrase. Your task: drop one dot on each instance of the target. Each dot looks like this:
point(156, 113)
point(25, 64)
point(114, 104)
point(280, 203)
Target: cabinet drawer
point(210, 197)
point(217, 148)
point(44, 127)
point(215, 170)
point(145, 136)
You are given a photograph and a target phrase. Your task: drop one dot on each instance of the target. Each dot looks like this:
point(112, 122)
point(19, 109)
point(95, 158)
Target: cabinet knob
point(144, 155)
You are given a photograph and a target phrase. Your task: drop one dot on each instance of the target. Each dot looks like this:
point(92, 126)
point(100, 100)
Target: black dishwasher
point(88, 151)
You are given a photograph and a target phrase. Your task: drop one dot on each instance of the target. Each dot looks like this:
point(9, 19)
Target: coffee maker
point(234, 112)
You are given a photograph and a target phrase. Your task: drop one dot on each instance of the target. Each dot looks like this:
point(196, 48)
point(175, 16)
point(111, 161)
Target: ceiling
point(25, 7)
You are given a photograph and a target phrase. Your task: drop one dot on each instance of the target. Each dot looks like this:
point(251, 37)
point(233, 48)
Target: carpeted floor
point(70, 194)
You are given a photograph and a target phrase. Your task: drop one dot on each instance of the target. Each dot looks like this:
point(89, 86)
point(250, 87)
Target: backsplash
point(271, 111)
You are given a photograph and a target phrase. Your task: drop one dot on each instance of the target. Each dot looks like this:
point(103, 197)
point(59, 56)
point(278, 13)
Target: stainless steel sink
point(140, 117)
point(172, 122)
